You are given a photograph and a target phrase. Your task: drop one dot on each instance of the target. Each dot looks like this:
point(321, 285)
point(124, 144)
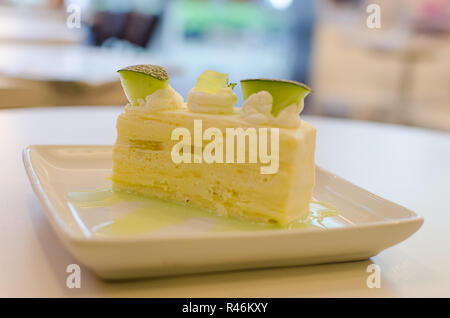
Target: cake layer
point(143, 164)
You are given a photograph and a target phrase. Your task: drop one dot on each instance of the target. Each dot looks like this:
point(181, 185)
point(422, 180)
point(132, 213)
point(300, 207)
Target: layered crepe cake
point(190, 153)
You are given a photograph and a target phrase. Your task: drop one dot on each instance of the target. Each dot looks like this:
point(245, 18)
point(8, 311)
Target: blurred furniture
point(33, 25)
point(393, 80)
point(106, 25)
point(139, 28)
point(36, 75)
point(303, 17)
point(405, 165)
point(135, 27)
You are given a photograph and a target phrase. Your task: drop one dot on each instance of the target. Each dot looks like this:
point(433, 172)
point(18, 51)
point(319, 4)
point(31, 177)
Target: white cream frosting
point(161, 99)
point(221, 102)
point(257, 110)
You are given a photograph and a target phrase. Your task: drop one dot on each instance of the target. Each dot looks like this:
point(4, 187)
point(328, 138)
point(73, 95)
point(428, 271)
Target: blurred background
point(56, 52)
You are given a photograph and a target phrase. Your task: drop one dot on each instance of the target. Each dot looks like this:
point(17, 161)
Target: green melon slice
point(211, 81)
point(139, 81)
point(284, 92)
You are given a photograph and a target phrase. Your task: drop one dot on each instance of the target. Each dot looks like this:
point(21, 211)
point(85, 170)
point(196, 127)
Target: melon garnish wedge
point(139, 81)
point(284, 92)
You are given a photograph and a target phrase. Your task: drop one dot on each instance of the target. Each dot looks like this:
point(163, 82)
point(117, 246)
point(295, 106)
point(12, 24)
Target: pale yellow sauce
point(155, 214)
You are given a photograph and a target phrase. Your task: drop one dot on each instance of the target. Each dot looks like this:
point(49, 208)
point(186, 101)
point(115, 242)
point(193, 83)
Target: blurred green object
point(200, 16)
point(141, 6)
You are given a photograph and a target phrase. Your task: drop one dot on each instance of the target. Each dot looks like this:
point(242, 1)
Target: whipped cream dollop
point(257, 110)
point(162, 99)
point(221, 102)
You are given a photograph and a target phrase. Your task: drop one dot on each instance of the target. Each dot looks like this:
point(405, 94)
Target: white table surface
point(406, 165)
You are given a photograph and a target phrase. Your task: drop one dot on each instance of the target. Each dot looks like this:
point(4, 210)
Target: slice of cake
point(255, 162)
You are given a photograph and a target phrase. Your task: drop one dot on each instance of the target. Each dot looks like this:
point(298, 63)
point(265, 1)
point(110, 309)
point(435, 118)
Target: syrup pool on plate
point(154, 215)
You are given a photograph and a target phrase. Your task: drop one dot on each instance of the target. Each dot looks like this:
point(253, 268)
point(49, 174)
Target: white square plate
point(366, 225)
